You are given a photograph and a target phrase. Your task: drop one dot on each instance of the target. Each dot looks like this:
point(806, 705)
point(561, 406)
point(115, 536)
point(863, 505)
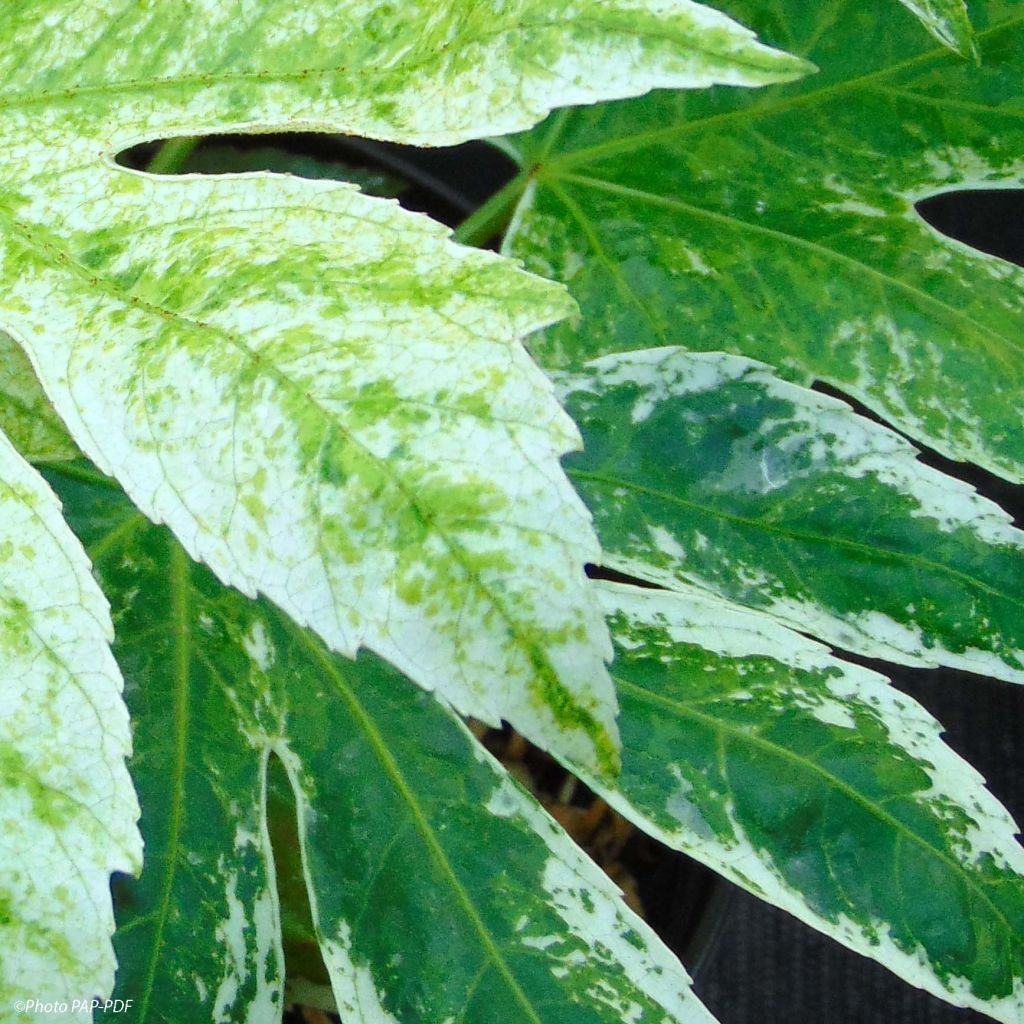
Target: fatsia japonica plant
point(291, 481)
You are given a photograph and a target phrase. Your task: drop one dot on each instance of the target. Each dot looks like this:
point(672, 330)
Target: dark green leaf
point(706, 468)
point(819, 787)
point(439, 890)
point(780, 224)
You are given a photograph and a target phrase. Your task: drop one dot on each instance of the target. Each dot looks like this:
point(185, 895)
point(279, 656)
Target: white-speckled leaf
point(781, 224)
point(330, 404)
point(706, 468)
point(439, 889)
point(326, 399)
point(451, 845)
point(949, 21)
point(427, 73)
point(67, 806)
point(819, 787)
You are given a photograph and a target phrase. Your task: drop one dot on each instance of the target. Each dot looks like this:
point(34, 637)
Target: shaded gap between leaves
point(303, 961)
point(990, 220)
point(601, 572)
point(448, 183)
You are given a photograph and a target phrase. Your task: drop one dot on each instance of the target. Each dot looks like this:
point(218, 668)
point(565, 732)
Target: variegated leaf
point(327, 449)
point(706, 468)
point(324, 398)
point(430, 74)
point(438, 888)
point(782, 225)
point(67, 806)
point(818, 786)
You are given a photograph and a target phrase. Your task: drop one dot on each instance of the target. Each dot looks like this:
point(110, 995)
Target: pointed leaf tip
point(949, 21)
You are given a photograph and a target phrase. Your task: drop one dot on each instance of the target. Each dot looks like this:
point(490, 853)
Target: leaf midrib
point(179, 577)
point(420, 819)
point(721, 728)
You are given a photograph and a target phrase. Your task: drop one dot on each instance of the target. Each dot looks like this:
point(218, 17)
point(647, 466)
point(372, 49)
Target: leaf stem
point(172, 156)
point(493, 217)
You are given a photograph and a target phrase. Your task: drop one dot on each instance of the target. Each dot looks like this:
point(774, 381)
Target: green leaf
point(706, 468)
point(325, 399)
point(781, 225)
point(949, 21)
point(26, 416)
point(819, 787)
point(438, 888)
point(67, 807)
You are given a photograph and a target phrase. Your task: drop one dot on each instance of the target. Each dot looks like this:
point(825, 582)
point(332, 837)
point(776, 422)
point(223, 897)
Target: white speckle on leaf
point(355, 990)
point(258, 646)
